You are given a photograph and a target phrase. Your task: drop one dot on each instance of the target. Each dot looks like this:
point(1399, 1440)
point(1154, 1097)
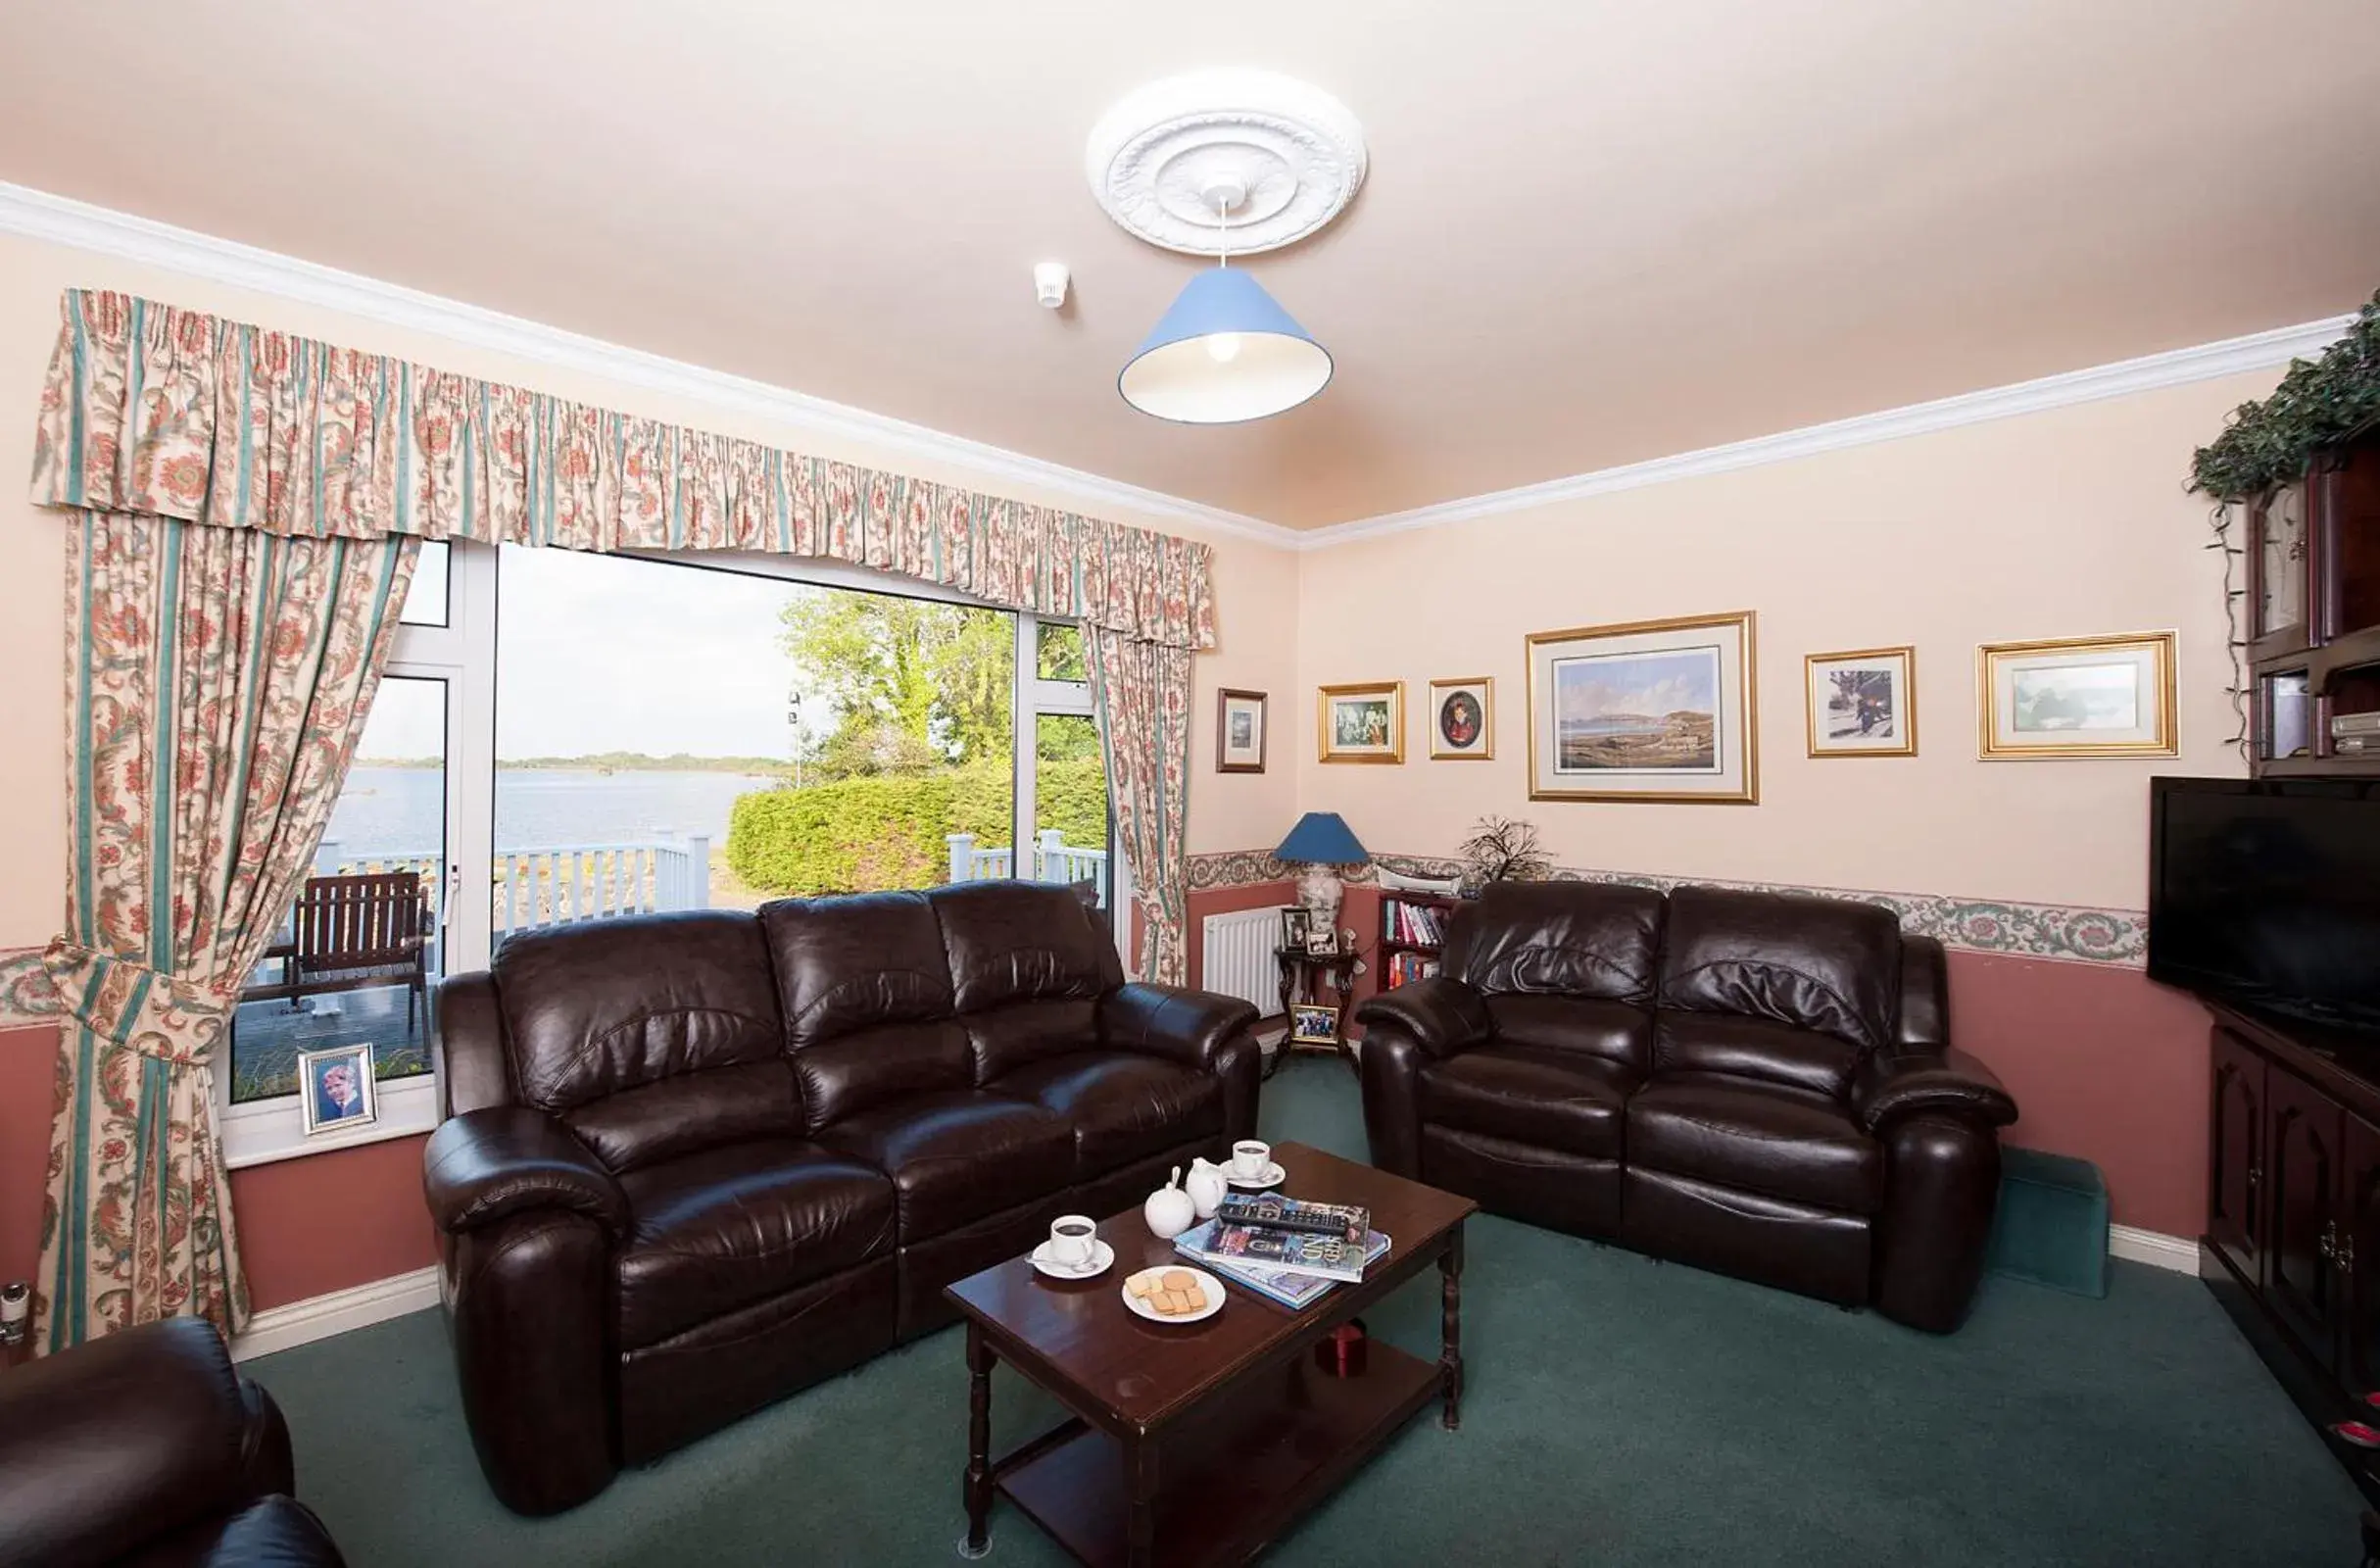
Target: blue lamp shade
point(1321, 838)
point(1225, 353)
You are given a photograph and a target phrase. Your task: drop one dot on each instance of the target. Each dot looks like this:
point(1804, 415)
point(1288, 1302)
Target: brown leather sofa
point(145, 1447)
point(1756, 1083)
point(699, 1160)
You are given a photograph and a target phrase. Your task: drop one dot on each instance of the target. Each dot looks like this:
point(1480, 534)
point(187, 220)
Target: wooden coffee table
point(1200, 1443)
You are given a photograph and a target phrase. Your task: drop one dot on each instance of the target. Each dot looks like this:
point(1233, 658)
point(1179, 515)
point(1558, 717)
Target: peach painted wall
point(328, 1221)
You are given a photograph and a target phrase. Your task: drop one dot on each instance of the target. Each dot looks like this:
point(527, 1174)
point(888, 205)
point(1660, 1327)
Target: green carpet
point(1617, 1411)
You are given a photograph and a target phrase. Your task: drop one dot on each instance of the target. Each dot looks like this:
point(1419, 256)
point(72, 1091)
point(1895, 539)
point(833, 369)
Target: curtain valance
point(155, 408)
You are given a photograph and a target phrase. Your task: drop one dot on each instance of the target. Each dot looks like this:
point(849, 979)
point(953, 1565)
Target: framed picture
point(1363, 724)
point(1462, 718)
point(1645, 710)
point(335, 1088)
point(1295, 923)
point(1862, 703)
point(2076, 697)
point(1313, 1022)
point(1322, 939)
point(1239, 732)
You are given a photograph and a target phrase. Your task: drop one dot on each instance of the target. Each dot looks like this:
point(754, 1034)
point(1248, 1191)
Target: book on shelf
point(1404, 969)
point(1283, 1266)
point(1417, 923)
point(1272, 1212)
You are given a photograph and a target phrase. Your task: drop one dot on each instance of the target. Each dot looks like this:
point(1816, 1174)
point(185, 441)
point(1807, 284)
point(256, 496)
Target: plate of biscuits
point(1174, 1294)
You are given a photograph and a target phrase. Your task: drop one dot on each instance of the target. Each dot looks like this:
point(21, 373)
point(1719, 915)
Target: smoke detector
point(1287, 157)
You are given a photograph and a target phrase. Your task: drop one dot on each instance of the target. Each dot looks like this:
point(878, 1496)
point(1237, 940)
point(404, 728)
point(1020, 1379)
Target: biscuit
point(1143, 1286)
point(1180, 1279)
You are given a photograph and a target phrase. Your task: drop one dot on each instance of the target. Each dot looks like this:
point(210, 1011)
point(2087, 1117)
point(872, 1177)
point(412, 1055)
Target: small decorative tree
point(1502, 849)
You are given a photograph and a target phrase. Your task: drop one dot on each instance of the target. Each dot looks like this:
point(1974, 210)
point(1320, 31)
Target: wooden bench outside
point(350, 932)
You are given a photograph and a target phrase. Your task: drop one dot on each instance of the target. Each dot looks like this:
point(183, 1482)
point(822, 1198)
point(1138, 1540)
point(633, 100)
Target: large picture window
point(588, 736)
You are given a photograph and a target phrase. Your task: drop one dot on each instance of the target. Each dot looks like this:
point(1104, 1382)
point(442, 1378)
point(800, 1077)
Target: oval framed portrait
point(1462, 719)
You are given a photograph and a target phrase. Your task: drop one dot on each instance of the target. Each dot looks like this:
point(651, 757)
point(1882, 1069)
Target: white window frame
point(462, 654)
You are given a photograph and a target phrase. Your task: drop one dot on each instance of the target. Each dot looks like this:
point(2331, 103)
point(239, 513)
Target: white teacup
point(1071, 1241)
point(1249, 1159)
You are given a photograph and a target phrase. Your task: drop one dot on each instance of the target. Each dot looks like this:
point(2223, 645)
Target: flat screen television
point(2266, 892)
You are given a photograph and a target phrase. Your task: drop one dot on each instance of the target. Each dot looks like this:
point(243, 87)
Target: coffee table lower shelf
point(1228, 1481)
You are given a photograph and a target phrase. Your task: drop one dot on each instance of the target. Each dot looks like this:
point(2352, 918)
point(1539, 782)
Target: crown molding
point(62, 220)
point(2257, 351)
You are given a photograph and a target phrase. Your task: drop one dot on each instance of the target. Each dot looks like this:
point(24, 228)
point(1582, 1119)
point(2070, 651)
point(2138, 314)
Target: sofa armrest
point(1443, 1016)
point(1945, 1083)
point(1172, 1021)
point(488, 1165)
point(116, 1443)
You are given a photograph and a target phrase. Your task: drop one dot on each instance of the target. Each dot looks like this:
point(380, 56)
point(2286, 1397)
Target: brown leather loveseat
point(699, 1160)
point(1756, 1083)
point(147, 1448)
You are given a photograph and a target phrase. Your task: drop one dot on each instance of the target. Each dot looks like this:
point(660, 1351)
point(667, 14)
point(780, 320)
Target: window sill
point(267, 1131)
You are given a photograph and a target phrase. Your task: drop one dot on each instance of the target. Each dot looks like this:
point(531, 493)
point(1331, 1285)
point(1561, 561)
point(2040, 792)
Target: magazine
point(1236, 1247)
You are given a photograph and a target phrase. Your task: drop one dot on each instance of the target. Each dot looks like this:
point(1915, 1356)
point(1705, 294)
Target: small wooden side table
point(1305, 977)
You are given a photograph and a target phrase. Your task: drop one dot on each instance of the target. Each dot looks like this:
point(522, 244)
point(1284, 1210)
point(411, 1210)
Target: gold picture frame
point(1446, 717)
point(1363, 709)
point(1858, 714)
point(1697, 741)
point(2074, 698)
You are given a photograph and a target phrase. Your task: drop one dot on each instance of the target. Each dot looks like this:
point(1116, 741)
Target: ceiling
point(1594, 231)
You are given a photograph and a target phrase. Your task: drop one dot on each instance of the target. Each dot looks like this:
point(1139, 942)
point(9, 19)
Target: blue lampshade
point(1225, 353)
point(1321, 838)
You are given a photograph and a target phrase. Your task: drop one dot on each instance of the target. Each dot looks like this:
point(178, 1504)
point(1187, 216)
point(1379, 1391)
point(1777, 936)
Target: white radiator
point(1239, 956)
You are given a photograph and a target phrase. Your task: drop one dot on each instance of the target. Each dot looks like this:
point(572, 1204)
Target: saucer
point(1101, 1256)
point(1271, 1176)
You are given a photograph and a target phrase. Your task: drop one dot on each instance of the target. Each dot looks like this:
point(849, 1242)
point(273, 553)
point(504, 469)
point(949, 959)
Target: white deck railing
point(555, 884)
point(1053, 860)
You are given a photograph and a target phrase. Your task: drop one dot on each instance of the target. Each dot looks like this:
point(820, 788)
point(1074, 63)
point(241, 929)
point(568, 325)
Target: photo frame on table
point(2076, 697)
point(1313, 1022)
point(1862, 703)
point(1645, 710)
point(1362, 723)
point(1463, 719)
point(1295, 921)
point(1240, 732)
point(335, 1089)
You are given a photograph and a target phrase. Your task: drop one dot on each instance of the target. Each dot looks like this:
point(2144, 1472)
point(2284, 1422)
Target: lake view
point(386, 811)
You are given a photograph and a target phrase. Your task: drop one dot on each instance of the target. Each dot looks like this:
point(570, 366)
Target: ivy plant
point(2316, 404)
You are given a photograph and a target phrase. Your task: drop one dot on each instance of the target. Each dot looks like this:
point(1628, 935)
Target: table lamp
point(1319, 842)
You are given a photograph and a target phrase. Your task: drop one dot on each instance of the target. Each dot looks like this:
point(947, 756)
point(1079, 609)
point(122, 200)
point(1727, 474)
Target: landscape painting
point(2077, 696)
point(1637, 710)
point(1645, 710)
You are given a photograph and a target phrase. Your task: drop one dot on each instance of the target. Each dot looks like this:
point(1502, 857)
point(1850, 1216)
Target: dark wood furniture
point(1200, 1443)
point(350, 932)
point(2291, 1244)
point(2313, 613)
point(1312, 977)
point(1396, 949)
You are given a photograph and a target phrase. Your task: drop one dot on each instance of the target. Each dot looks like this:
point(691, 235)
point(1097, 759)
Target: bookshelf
point(1411, 935)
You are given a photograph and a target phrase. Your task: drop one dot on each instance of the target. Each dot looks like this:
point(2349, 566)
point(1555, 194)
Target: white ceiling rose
point(1156, 160)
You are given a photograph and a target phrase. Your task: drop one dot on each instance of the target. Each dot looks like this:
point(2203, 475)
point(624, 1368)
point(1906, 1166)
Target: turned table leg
point(978, 1486)
point(1450, 1327)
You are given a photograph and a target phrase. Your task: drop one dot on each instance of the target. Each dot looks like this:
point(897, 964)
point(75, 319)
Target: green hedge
point(859, 835)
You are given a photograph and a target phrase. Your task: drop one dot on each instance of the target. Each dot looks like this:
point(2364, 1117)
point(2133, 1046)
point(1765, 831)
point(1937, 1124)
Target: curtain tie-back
point(156, 1013)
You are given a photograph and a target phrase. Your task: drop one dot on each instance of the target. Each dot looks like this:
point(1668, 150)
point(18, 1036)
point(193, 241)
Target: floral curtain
point(1142, 694)
point(217, 681)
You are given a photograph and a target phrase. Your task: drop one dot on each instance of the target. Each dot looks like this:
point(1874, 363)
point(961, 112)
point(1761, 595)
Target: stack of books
point(1284, 1248)
point(1417, 923)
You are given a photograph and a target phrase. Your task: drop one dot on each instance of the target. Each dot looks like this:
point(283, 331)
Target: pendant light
point(1226, 351)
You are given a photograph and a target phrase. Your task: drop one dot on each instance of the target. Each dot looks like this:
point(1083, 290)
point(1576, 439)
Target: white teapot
point(1206, 1187)
point(1169, 1210)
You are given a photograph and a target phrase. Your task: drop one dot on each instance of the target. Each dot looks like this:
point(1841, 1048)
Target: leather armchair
point(145, 1447)
point(1757, 1082)
point(696, 1161)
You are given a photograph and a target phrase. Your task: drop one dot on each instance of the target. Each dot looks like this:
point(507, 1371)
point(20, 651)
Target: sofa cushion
point(722, 1229)
point(865, 988)
point(958, 1156)
point(272, 1531)
point(1121, 1106)
point(1754, 1048)
point(1027, 966)
point(1831, 965)
point(1569, 939)
point(1552, 1099)
point(1615, 1030)
point(1779, 1141)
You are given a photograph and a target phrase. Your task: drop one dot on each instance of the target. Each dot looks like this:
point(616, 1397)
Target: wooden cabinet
point(2235, 1167)
point(2359, 1260)
point(2301, 1279)
point(2313, 613)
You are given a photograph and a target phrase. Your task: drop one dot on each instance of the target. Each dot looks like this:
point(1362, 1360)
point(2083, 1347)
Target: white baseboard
point(319, 1317)
point(2152, 1247)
